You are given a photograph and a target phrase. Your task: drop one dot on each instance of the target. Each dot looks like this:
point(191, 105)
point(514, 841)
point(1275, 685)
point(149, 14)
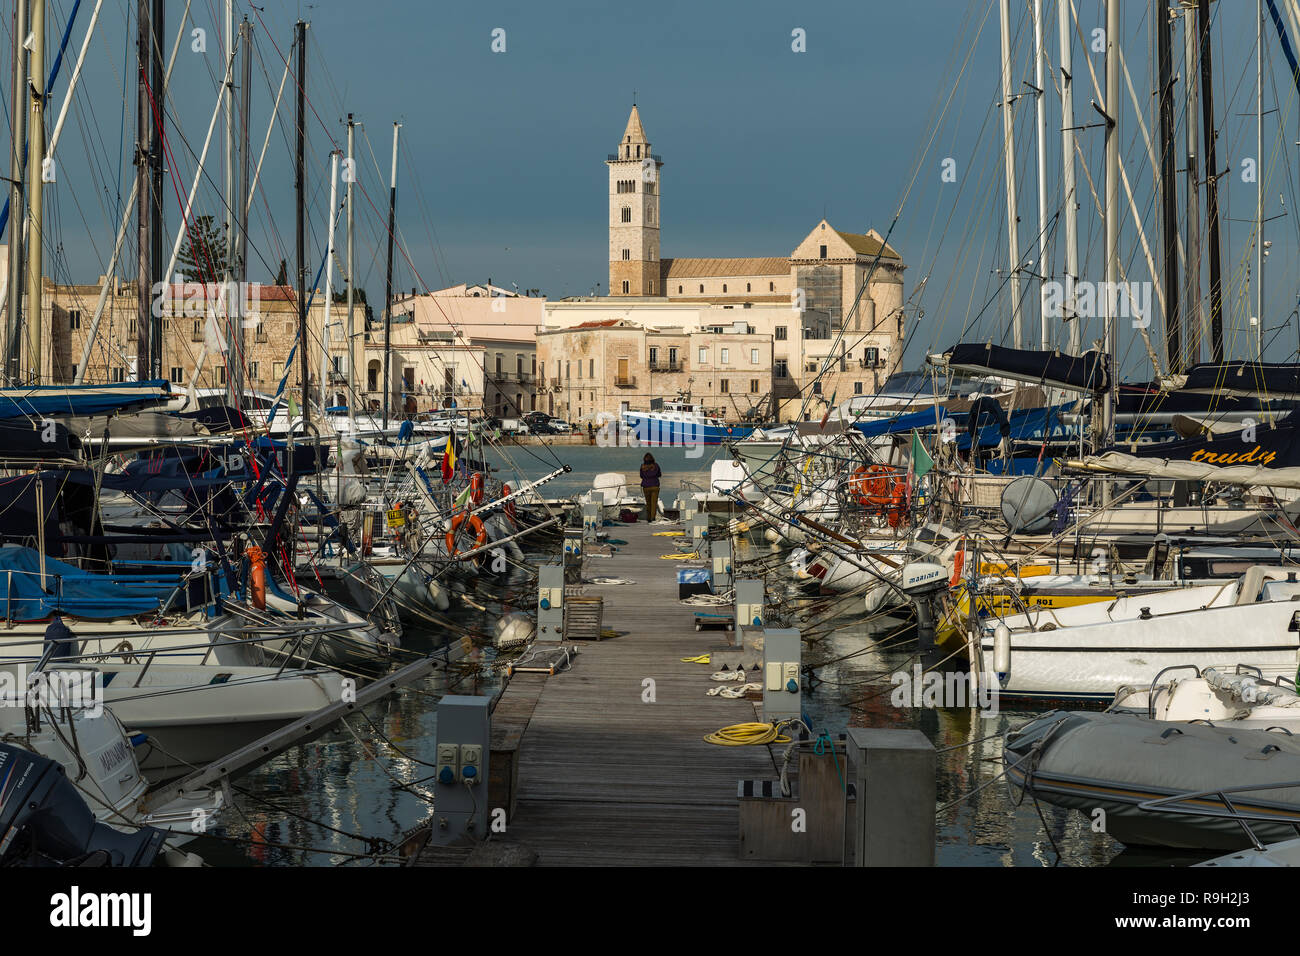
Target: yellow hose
point(744, 735)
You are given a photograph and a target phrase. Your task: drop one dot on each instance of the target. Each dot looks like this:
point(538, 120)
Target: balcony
point(662, 367)
point(628, 381)
point(555, 383)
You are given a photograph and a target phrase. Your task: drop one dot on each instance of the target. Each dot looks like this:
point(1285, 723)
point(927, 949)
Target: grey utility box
point(461, 804)
point(893, 774)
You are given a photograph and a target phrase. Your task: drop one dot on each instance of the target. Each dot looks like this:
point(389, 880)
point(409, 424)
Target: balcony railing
point(628, 381)
point(665, 366)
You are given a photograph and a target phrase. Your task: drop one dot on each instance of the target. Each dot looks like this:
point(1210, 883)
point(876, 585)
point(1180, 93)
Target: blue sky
point(502, 160)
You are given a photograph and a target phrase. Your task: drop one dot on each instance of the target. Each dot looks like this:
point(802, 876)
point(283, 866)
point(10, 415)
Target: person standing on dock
point(650, 475)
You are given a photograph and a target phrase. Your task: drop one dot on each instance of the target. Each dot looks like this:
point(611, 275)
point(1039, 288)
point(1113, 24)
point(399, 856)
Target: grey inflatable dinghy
point(1124, 763)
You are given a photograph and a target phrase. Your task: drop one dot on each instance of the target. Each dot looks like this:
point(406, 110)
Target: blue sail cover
point(901, 423)
point(1028, 424)
point(74, 592)
point(1244, 378)
point(46, 401)
point(1088, 372)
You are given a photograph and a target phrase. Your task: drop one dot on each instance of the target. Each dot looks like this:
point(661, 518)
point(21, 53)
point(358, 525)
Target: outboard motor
point(923, 582)
point(45, 822)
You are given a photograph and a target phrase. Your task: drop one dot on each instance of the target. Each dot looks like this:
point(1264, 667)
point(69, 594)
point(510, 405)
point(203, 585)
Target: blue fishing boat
point(682, 423)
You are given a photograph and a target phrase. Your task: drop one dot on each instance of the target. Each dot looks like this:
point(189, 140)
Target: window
point(857, 388)
point(704, 356)
point(252, 372)
point(781, 369)
point(780, 333)
point(817, 387)
point(74, 319)
point(221, 375)
point(627, 213)
point(823, 252)
point(771, 287)
point(627, 254)
point(519, 365)
point(753, 385)
point(871, 357)
point(579, 368)
point(591, 368)
point(625, 287)
point(534, 364)
point(654, 355)
point(178, 374)
point(753, 356)
point(726, 356)
point(672, 356)
point(650, 214)
point(119, 374)
point(679, 290)
point(652, 284)
point(724, 386)
point(498, 364)
point(567, 370)
point(724, 287)
point(746, 286)
point(701, 288)
point(196, 334)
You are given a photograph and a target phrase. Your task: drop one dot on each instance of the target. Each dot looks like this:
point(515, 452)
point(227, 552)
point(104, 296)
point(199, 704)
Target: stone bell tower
point(634, 179)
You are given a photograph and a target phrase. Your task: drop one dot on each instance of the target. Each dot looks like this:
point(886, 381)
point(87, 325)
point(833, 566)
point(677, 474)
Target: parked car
point(560, 425)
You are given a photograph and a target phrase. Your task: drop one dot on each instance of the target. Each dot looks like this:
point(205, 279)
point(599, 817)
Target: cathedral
point(826, 271)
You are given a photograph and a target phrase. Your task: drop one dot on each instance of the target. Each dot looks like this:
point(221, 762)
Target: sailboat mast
point(17, 203)
point(352, 289)
point(1259, 180)
point(388, 286)
point(1195, 309)
point(1068, 188)
point(329, 282)
point(300, 30)
point(35, 168)
point(1211, 182)
point(1009, 152)
point(1112, 109)
point(1168, 185)
point(1040, 95)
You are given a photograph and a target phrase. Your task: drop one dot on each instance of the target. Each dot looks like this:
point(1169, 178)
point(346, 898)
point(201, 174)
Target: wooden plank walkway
point(605, 778)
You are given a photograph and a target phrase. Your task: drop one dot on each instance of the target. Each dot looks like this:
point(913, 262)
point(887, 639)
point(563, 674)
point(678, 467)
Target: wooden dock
point(602, 774)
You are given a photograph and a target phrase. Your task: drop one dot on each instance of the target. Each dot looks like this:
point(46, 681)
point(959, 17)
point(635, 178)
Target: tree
point(282, 277)
point(203, 255)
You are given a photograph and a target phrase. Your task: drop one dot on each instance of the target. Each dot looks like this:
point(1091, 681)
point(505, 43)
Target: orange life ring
point(877, 487)
point(476, 488)
point(475, 522)
point(509, 506)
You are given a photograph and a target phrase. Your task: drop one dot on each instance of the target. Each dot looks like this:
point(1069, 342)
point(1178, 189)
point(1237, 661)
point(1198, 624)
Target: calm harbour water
point(360, 784)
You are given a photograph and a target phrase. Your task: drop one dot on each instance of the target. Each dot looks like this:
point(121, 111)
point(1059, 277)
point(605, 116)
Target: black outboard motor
point(45, 822)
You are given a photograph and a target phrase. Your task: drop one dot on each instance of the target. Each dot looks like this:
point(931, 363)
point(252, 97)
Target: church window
point(625, 287)
point(701, 288)
point(679, 290)
point(823, 252)
point(627, 254)
point(627, 213)
point(724, 287)
point(746, 286)
point(771, 287)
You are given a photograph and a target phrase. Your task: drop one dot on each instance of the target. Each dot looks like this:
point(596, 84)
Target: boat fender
point(1002, 653)
point(476, 487)
point(256, 576)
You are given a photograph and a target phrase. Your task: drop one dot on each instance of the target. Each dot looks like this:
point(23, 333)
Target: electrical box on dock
point(461, 807)
point(782, 686)
point(550, 602)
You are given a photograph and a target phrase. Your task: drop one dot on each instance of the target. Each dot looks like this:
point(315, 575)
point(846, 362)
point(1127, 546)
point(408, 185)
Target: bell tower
point(634, 180)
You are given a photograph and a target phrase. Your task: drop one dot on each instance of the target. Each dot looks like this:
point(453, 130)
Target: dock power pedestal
point(591, 521)
point(782, 679)
point(550, 602)
point(720, 564)
point(749, 603)
point(461, 804)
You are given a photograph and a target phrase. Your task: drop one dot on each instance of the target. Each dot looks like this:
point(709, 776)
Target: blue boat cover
point(35, 401)
point(74, 592)
point(1025, 424)
point(901, 423)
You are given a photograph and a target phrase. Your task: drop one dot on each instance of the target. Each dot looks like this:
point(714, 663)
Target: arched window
point(724, 287)
point(627, 213)
point(746, 286)
point(701, 288)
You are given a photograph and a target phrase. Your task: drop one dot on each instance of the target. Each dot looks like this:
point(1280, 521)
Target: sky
point(504, 136)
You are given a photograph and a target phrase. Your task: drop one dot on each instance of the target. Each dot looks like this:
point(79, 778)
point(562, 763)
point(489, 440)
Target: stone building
point(594, 370)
